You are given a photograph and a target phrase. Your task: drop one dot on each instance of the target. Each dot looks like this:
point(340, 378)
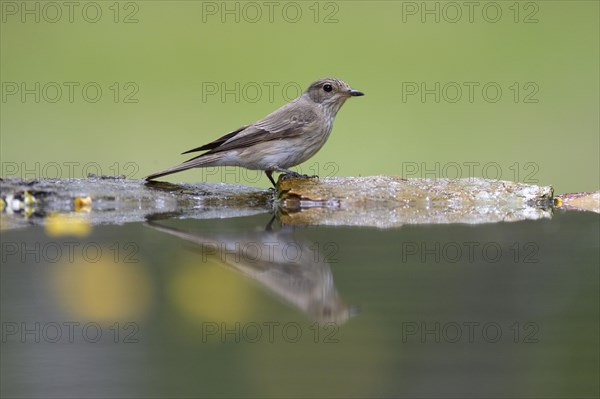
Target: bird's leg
point(269, 174)
point(269, 226)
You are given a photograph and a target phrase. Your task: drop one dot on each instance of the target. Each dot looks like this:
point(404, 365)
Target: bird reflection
point(295, 270)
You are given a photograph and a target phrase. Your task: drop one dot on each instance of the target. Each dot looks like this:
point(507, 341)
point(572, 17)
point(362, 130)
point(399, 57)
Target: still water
point(240, 307)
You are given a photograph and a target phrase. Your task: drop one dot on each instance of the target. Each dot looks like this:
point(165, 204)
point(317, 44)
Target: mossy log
point(380, 201)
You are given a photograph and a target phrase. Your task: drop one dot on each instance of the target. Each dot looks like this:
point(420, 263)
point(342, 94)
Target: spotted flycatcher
point(285, 138)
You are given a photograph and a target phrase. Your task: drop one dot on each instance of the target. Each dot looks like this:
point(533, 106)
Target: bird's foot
point(290, 173)
point(297, 175)
point(286, 174)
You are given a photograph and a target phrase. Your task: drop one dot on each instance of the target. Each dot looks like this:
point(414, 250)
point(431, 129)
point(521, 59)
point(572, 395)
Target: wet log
point(377, 201)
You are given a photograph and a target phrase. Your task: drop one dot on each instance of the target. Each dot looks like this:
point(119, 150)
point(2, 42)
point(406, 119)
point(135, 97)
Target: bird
point(285, 138)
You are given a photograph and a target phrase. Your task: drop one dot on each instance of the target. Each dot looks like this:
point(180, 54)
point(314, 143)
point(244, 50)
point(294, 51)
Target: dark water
point(496, 310)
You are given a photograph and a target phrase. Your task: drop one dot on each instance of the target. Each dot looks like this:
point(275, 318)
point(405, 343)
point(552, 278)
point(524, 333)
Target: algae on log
point(387, 201)
point(381, 201)
point(109, 200)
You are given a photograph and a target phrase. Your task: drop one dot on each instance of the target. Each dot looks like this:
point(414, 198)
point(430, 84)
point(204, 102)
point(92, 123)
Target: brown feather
point(217, 142)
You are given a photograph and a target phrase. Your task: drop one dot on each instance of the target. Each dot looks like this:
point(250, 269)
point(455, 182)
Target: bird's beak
point(356, 93)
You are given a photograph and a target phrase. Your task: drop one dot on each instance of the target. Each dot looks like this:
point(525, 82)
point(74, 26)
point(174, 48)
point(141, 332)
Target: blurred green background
point(156, 62)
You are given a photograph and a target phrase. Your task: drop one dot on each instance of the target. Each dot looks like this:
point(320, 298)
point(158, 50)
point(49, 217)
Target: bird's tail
point(192, 163)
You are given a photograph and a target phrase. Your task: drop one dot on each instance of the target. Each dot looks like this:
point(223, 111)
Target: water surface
point(493, 310)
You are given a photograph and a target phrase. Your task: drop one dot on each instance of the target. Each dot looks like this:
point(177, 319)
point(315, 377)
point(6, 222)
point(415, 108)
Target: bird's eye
point(327, 88)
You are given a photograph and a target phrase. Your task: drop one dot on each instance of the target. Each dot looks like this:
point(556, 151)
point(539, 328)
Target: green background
point(175, 49)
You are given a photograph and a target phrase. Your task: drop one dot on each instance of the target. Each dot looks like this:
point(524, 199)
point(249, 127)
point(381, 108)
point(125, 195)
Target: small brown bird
point(285, 138)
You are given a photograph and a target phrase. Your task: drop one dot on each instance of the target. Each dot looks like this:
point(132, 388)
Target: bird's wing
point(288, 121)
point(217, 142)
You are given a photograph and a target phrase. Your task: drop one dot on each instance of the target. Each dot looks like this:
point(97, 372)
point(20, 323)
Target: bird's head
point(331, 92)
